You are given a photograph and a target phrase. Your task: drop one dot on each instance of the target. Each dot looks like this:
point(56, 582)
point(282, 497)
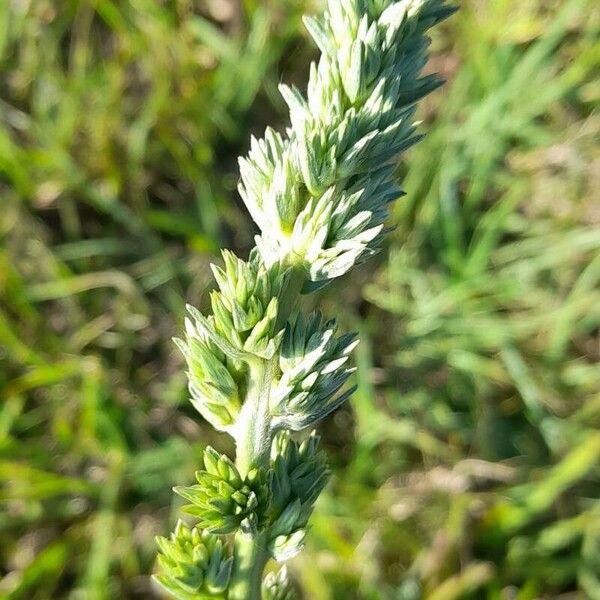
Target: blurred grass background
point(467, 465)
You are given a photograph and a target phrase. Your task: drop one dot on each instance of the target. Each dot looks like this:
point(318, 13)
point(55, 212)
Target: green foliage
point(465, 465)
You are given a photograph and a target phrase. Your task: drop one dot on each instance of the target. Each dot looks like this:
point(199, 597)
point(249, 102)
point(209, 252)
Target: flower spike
point(258, 367)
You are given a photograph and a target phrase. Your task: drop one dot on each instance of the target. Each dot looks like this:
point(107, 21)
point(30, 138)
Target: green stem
point(253, 436)
point(250, 560)
point(253, 448)
point(291, 295)
point(253, 441)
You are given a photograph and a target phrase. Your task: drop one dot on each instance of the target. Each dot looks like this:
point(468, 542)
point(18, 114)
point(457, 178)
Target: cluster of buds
point(336, 165)
point(213, 377)
point(195, 564)
point(299, 474)
point(313, 370)
point(276, 586)
point(223, 501)
point(258, 368)
point(245, 307)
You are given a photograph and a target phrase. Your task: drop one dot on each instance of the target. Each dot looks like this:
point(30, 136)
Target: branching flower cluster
point(258, 367)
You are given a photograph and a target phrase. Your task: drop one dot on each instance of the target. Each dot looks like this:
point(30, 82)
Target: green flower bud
point(246, 305)
point(212, 378)
point(276, 586)
point(223, 501)
point(299, 474)
point(270, 186)
point(346, 135)
point(194, 564)
point(313, 370)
